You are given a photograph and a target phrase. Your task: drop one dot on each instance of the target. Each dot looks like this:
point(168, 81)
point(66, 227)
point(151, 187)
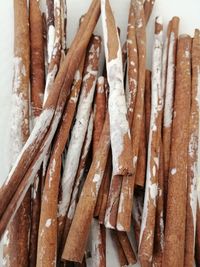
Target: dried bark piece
point(127, 248)
point(63, 4)
point(17, 234)
point(79, 129)
point(193, 150)
point(32, 154)
point(169, 97)
point(127, 187)
point(119, 127)
point(79, 177)
point(77, 237)
point(151, 189)
point(173, 254)
point(197, 241)
point(50, 28)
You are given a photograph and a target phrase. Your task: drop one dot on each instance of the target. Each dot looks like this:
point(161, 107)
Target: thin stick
point(147, 105)
point(119, 127)
point(127, 187)
point(151, 189)
point(121, 255)
point(169, 98)
point(148, 7)
point(77, 237)
point(173, 254)
point(192, 170)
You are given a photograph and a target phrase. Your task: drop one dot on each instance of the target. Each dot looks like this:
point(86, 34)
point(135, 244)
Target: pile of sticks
point(99, 154)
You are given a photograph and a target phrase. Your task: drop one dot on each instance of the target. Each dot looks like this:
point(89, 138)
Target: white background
point(188, 11)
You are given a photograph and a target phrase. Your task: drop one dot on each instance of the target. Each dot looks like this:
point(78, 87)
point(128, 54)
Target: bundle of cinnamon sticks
point(102, 155)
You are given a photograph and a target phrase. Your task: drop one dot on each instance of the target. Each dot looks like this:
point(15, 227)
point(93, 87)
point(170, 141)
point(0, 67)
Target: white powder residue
point(49, 81)
point(173, 171)
point(48, 223)
point(50, 41)
point(119, 126)
point(169, 95)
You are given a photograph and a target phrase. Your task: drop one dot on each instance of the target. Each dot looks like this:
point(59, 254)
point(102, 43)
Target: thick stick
point(16, 247)
point(151, 189)
point(80, 128)
point(119, 127)
point(77, 237)
point(193, 154)
point(126, 196)
point(173, 254)
point(58, 93)
point(169, 98)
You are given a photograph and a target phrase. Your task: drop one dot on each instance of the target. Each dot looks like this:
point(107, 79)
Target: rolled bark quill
point(126, 196)
point(147, 106)
point(37, 90)
point(121, 255)
point(119, 127)
point(169, 98)
point(50, 28)
point(77, 238)
point(17, 235)
point(173, 254)
point(192, 168)
point(151, 189)
point(80, 128)
point(79, 177)
point(55, 101)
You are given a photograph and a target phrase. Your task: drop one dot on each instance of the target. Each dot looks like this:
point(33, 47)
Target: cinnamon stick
point(127, 187)
point(151, 189)
point(77, 237)
point(147, 105)
point(16, 248)
point(173, 254)
point(119, 128)
point(192, 171)
point(148, 7)
point(80, 128)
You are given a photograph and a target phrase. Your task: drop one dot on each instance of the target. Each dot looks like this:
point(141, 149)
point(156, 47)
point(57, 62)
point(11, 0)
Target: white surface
point(188, 11)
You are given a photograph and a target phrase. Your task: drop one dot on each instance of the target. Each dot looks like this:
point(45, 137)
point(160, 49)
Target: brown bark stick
point(173, 254)
point(151, 189)
point(192, 168)
point(77, 237)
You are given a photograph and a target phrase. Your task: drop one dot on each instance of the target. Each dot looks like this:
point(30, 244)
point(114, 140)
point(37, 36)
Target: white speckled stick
point(169, 98)
point(193, 154)
point(126, 196)
point(79, 176)
point(34, 147)
point(79, 129)
point(15, 247)
point(77, 238)
point(174, 248)
point(151, 189)
point(119, 127)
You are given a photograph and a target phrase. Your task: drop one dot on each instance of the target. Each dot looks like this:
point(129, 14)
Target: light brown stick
point(148, 7)
point(151, 189)
point(119, 127)
point(126, 196)
point(192, 168)
point(173, 254)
